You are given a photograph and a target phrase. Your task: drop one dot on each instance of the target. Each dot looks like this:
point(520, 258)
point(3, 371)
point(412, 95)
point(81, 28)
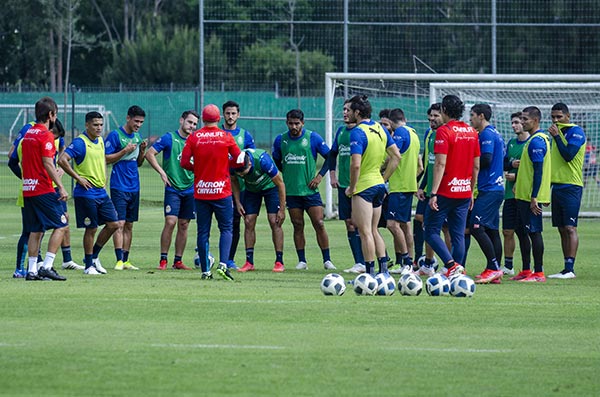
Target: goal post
point(506, 93)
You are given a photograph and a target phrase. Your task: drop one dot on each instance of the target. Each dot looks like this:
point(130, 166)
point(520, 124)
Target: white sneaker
point(301, 266)
point(328, 265)
point(507, 271)
point(91, 271)
point(426, 271)
point(70, 265)
point(98, 266)
point(563, 275)
point(406, 269)
point(358, 268)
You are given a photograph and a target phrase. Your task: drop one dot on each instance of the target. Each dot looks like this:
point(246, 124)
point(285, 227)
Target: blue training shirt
point(491, 179)
point(124, 175)
point(402, 139)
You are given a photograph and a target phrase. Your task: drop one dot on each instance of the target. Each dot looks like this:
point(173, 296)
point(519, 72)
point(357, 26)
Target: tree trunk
point(59, 60)
point(52, 61)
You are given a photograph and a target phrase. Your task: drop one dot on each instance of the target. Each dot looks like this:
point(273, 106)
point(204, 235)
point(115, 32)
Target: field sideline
point(154, 333)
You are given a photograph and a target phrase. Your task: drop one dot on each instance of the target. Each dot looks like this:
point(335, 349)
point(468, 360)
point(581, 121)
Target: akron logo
point(63, 218)
point(87, 221)
point(168, 209)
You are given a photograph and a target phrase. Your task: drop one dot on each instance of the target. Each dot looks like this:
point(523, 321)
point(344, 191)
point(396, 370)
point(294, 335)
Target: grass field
point(156, 333)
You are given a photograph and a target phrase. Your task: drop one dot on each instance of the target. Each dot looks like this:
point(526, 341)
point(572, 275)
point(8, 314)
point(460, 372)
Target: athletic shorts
point(486, 210)
point(421, 206)
point(62, 203)
point(399, 207)
point(566, 202)
point(509, 214)
point(127, 204)
point(44, 212)
point(304, 202)
point(344, 204)
point(528, 220)
point(253, 200)
point(93, 212)
point(180, 204)
point(374, 195)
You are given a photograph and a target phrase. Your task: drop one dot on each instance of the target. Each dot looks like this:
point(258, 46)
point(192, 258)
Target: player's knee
point(508, 233)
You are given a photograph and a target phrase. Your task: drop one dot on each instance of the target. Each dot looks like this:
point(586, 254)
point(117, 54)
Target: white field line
point(451, 350)
point(208, 346)
point(4, 344)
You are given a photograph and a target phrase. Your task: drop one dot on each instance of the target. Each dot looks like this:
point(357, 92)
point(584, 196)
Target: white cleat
point(91, 271)
point(507, 271)
point(328, 265)
point(563, 275)
point(426, 271)
point(301, 266)
point(358, 268)
point(98, 266)
point(70, 265)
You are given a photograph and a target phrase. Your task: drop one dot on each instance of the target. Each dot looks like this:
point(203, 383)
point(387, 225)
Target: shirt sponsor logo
point(216, 134)
point(29, 185)
point(206, 187)
point(344, 150)
point(461, 129)
point(292, 158)
point(460, 185)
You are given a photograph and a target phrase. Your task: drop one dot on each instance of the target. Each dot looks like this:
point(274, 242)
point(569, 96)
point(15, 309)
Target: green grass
point(156, 333)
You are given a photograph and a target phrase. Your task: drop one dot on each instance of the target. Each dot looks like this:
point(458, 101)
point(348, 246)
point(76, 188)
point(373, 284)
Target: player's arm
point(394, 157)
point(278, 181)
point(235, 191)
point(48, 163)
point(141, 155)
point(332, 162)
point(568, 149)
point(151, 158)
point(276, 153)
point(13, 163)
point(64, 161)
point(321, 147)
point(113, 157)
point(186, 155)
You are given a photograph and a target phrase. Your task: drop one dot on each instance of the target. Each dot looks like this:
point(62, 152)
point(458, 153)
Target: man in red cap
point(207, 152)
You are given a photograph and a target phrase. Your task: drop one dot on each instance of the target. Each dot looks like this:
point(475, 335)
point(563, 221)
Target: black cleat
point(51, 274)
point(223, 271)
point(207, 276)
point(35, 277)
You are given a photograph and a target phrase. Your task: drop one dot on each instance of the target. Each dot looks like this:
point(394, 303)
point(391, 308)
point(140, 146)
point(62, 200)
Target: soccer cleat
point(99, 266)
point(91, 271)
point(507, 271)
point(162, 264)
point(128, 266)
point(180, 266)
point(231, 265)
point(207, 276)
point(328, 265)
point(223, 271)
point(278, 267)
point(20, 273)
point(488, 275)
point(496, 281)
point(537, 277)
point(358, 268)
point(119, 265)
point(565, 274)
point(522, 274)
point(35, 277)
point(248, 267)
point(426, 271)
point(70, 265)
point(50, 274)
point(301, 266)
point(455, 269)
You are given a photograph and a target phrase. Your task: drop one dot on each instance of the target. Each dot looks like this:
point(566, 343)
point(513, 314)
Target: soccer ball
point(386, 285)
point(437, 285)
point(333, 284)
point(421, 262)
point(462, 286)
point(365, 284)
point(410, 285)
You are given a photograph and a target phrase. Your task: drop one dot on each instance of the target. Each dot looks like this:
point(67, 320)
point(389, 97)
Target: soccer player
point(402, 187)
point(512, 158)
point(206, 153)
point(484, 223)
point(295, 154)
point(369, 143)
point(93, 207)
point(340, 151)
point(125, 151)
point(454, 178)
point(244, 140)
point(42, 207)
point(179, 188)
point(532, 189)
point(568, 152)
point(263, 181)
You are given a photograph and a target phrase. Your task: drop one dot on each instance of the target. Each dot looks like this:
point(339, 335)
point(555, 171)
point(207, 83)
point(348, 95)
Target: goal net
point(506, 94)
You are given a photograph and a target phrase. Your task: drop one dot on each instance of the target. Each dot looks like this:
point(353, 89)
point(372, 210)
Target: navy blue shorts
point(528, 220)
point(304, 202)
point(374, 195)
point(44, 212)
point(127, 204)
point(399, 207)
point(180, 204)
point(566, 202)
point(344, 204)
point(93, 212)
point(62, 203)
point(486, 210)
point(422, 206)
point(253, 200)
point(509, 214)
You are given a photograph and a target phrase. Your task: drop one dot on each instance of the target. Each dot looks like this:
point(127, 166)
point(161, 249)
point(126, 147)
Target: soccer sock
point(418, 237)
point(383, 264)
point(486, 245)
point(39, 257)
point(428, 262)
point(301, 255)
point(21, 251)
point(370, 267)
point(164, 256)
point(467, 246)
point(177, 258)
point(354, 240)
point(569, 264)
point(235, 236)
point(325, 253)
point(494, 236)
point(399, 256)
point(49, 260)
point(250, 255)
point(88, 261)
point(508, 262)
point(33, 261)
point(537, 247)
point(96, 251)
point(125, 256)
point(279, 256)
point(524, 247)
point(66, 253)
point(119, 254)
point(407, 260)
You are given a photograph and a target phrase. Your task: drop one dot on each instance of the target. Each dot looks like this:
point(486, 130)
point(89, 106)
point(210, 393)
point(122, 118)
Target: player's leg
point(119, 201)
point(314, 207)
point(345, 214)
point(204, 212)
point(566, 207)
point(271, 198)
point(165, 240)
point(295, 206)
point(133, 208)
point(235, 237)
point(362, 218)
point(433, 226)
point(223, 209)
point(251, 202)
point(51, 215)
point(534, 229)
point(508, 232)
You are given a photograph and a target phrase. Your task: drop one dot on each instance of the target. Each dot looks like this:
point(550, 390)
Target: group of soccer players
point(461, 180)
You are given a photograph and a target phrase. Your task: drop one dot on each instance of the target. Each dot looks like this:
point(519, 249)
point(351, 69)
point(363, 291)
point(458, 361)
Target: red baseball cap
point(211, 113)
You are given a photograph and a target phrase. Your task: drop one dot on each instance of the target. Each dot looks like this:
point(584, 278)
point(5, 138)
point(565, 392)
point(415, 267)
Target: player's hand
point(420, 194)
point(165, 179)
point(130, 147)
point(349, 192)
point(471, 203)
point(60, 172)
point(516, 163)
point(280, 216)
point(334, 181)
point(553, 130)
point(315, 181)
point(143, 145)
point(240, 209)
point(535, 208)
point(433, 203)
point(510, 177)
point(85, 183)
point(62, 194)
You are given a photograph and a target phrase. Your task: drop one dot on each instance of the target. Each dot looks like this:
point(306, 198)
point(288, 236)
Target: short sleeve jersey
point(124, 175)
point(491, 179)
point(262, 172)
point(514, 150)
point(341, 146)
point(38, 142)
point(171, 145)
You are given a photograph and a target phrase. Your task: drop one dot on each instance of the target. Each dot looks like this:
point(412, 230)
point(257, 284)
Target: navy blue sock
point(508, 262)
point(419, 238)
point(66, 253)
point(370, 266)
point(399, 256)
point(569, 264)
point(354, 240)
point(383, 264)
point(250, 255)
point(301, 255)
point(125, 256)
point(119, 254)
point(407, 260)
point(325, 253)
point(96, 251)
point(87, 260)
point(177, 259)
point(164, 256)
point(279, 256)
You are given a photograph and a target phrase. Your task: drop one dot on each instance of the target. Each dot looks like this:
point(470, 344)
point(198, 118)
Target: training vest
point(257, 180)
point(180, 178)
point(298, 164)
point(372, 157)
point(344, 157)
point(429, 159)
point(125, 140)
point(404, 179)
point(524, 184)
point(567, 172)
point(514, 151)
point(93, 166)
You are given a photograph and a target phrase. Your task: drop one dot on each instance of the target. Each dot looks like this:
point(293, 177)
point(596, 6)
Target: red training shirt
point(38, 142)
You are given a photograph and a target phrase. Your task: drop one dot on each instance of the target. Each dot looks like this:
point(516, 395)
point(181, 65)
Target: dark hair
point(92, 115)
point(482, 108)
point(362, 104)
point(453, 107)
point(397, 115)
point(135, 110)
point(231, 104)
point(533, 111)
point(295, 114)
point(43, 107)
point(517, 114)
point(561, 107)
point(384, 113)
point(188, 112)
point(58, 130)
point(434, 106)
